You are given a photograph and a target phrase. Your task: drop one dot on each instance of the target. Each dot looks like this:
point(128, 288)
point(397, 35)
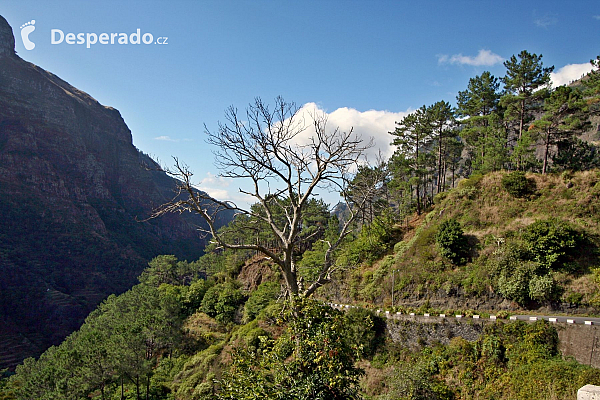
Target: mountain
point(73, 190)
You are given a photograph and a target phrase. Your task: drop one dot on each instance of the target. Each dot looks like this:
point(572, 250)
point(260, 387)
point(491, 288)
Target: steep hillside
point(73, 189)
point(536, 250)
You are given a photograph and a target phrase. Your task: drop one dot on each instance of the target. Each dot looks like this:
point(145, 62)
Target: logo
point(57, 36)
point(26, 29)
point(89, 39)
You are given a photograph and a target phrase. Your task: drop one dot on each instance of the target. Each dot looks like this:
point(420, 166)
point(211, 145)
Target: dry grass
point(490, 216)
point(373, 382)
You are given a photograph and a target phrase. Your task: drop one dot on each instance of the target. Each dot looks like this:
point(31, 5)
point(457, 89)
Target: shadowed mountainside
point(73, 189)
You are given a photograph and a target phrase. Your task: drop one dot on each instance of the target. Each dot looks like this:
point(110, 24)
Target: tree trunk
point(546, 151)
point(137, 387)
point(432, 193)
point(439, 177)
point(444, 171)
point(418, 201)
point(521, 118)
point(147, 386)
point(289, 273)
point(521, 123)
point(485, 135)
point(417, 169)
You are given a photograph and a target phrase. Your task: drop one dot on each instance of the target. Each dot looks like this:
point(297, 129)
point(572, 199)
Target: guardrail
point(531, 318)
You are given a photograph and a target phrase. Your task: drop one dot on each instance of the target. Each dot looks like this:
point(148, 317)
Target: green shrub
point(222, 301)
point(311, 359)
point(424, 238)
point(573, 298)
point(471, 181)
point(509, 361)
point(438, 198)
point(515, 272)
point(196, 373)
point(452, 242)
point(261, 298)
point(550, 241)
point(372, 242)
point(400, 247)
point(542, 287)
point(365, 330)
point(195, 294)
point(250, 335)
point(416, 381)
point(520, 277)
point(517, 184)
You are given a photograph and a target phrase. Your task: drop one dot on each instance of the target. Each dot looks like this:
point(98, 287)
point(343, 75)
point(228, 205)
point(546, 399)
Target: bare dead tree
point(284, 170)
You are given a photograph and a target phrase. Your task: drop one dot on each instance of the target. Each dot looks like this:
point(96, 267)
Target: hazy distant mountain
point(72, 190)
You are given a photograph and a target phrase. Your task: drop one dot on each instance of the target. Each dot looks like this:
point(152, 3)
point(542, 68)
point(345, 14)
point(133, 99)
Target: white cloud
point(366, 124)
point(166, 139)
point(483, 58)
point(545, 21)
point(212, 180)
point(218, 187)
point(596, 17)
point(219, 194)
point(569, 73)
point(369, 124)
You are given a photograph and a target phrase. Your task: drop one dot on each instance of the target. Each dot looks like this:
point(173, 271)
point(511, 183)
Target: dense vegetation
point(509, 361)
point(520, 239)
point(538, 251)
point(177, 336)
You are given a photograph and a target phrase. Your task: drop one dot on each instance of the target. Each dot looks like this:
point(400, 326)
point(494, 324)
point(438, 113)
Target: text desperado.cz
point(57, 36)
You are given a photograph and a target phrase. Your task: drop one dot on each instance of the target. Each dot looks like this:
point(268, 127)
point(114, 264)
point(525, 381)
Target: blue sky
point(366, 63)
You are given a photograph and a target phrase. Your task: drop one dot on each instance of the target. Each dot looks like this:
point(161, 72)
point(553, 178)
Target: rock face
point(7, 40)
point(73, 189)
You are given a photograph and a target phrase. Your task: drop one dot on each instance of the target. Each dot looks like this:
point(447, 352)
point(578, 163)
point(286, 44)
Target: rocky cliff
point(73, 189)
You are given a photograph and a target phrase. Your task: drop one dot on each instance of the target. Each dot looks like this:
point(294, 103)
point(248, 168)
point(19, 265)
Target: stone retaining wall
point(580, 341)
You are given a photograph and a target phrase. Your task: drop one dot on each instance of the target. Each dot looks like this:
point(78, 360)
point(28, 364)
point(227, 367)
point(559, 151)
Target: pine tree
point(481, 130)
point(565, 114)
point(523, 81)
point(592, 86)
point(412, 135)
point(441, 119)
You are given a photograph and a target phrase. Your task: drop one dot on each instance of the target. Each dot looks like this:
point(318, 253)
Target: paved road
point(567, 319)
point(549, 318)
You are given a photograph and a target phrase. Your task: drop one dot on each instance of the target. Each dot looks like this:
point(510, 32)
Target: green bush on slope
point(452, 242)
point(517, 184)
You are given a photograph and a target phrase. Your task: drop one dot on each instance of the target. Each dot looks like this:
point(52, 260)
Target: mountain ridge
point(73, 189)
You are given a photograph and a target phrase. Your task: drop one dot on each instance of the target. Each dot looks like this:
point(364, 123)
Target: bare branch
point(267, 150)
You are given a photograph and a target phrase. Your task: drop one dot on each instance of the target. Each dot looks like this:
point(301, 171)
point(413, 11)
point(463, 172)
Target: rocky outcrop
point(257, 270)
point(73, 189)
point(7, 40)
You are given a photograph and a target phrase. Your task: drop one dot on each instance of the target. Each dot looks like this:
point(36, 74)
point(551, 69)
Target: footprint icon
point(26, 29)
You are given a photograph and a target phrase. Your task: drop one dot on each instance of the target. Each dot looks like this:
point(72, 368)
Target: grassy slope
point(490, 218)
